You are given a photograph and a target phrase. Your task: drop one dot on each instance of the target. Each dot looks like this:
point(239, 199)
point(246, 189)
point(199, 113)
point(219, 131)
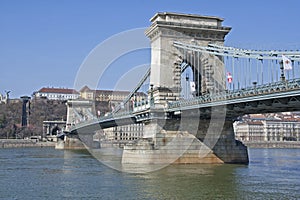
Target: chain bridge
point(197, 87)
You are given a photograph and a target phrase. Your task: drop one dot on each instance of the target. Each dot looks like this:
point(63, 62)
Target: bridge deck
point(276, 91)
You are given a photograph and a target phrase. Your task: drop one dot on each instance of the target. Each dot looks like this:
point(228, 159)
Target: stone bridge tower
point(187, 137)
point(77, 111)
point(166, 59)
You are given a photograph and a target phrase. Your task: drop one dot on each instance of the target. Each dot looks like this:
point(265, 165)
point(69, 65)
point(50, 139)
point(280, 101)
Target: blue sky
point(43, 43)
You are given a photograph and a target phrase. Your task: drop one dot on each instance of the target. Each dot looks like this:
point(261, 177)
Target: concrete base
point(215, 143)
point(70, 142)
point(228, 148)
point(170, 147)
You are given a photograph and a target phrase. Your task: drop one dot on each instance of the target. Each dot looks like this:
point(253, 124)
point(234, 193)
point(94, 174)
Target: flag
point(192, 86)
point(229, 77)
point(133, 103)
point(287, 63)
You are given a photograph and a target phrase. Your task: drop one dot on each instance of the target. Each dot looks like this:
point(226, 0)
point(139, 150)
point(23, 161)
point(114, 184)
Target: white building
point(249, 131)
point(279, 130)
point(57, 93)
point(268, 130)
point(123, 134)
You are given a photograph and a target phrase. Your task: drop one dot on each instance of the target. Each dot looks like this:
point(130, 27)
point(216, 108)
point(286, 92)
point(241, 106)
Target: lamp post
point(282, 77)
point(151, 95)
point(187, 78)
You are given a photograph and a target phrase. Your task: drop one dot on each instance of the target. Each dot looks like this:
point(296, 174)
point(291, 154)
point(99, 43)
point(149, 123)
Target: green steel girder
point(239, 53)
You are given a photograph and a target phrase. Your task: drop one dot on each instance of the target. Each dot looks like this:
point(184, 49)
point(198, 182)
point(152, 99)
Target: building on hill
point(113, 96)
point(56, 93)
point(118, 135)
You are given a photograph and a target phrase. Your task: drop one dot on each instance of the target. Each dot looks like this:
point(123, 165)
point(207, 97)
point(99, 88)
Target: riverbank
point(20, 143)
point(273, 144)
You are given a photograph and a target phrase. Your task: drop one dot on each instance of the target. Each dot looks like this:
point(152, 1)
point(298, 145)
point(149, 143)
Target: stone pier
point(70, 142)
point(203, 141)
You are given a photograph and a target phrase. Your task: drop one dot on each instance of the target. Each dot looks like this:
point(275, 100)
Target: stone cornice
point(189, 25)
point(200, 32)
point(182, 15)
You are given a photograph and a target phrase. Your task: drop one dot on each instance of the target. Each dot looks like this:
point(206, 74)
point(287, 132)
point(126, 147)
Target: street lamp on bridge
point(282, 77)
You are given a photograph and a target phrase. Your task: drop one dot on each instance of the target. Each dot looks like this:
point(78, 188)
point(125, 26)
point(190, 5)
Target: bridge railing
point(142, 105)
point(269, 88)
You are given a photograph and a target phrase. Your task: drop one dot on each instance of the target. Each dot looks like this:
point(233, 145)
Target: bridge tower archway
point(78, 111)
point(166, 60)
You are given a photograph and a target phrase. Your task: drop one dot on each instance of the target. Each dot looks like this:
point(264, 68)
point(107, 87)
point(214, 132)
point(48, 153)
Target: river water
point(46, 173)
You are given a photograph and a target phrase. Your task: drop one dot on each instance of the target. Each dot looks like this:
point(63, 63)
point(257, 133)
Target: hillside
point(40, 110)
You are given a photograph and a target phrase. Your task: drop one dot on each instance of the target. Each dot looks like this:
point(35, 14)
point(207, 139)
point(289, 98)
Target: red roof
point(255, 123)
point(58, 90)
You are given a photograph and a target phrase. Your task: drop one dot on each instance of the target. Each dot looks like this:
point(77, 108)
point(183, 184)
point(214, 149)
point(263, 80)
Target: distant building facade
point(123, 134)
point(57, 93)
point(268, 129)
point(250, 131)
point(108, 95)
point(288, 130)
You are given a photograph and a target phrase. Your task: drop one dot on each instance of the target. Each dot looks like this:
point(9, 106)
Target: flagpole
point(233, 69)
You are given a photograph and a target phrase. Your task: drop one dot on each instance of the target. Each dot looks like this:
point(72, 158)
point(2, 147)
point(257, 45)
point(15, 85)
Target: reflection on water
point(112, 158)
point(192, 182)
point(46, 173)
point(272, 174)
